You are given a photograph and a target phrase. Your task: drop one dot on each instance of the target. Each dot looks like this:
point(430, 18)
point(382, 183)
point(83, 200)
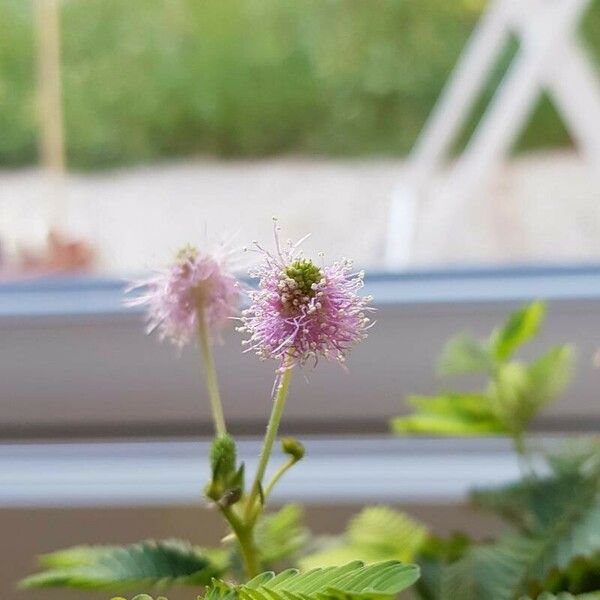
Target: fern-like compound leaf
point(377, 533)
point(353, 581)
point(139, 565)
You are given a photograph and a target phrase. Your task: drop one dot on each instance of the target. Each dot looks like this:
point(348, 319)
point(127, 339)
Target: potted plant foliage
point(303, 311)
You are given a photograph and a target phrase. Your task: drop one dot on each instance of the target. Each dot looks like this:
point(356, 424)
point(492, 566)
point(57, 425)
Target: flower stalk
point(212, 383)
point(283, 469)
point(281, 391)
point(243, 522)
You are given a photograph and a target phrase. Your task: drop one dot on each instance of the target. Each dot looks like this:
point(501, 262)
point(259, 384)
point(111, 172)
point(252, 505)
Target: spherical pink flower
point(196, 286)
point(301, 310)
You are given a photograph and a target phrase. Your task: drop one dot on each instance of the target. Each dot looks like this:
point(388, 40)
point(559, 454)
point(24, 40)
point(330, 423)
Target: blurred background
point(217, 116)
point(451, 147)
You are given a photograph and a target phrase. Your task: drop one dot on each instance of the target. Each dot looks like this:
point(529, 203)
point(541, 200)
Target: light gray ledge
point(74, 361)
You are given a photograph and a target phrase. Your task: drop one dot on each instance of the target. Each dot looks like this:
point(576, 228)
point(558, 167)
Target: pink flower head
point(301, 310)
point(196, 286)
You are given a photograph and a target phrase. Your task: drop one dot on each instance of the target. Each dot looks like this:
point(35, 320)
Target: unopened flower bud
point(222, 457)
point(293, 447)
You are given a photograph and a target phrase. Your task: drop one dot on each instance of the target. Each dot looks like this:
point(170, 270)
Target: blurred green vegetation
point(150, 79)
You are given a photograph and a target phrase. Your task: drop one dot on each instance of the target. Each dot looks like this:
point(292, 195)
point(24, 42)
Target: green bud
point(186, 254)
point(237, 478)
point(222, 457)
point(293, 447)
point(227, 484)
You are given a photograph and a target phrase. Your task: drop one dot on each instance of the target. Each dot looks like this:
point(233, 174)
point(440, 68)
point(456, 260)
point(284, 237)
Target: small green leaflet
point(522, 325)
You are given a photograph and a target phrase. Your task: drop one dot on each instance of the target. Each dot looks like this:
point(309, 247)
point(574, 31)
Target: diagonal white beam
point(573, 84)
point(463, 86)
point(449, 113)
point(550, 57)
point(515, 98)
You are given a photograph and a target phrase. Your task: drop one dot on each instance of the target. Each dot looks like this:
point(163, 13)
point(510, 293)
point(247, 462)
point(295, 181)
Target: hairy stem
point(245, 538)
point(281, 391)
point(210, 371)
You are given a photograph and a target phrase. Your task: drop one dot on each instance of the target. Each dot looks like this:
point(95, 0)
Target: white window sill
point(335, 471)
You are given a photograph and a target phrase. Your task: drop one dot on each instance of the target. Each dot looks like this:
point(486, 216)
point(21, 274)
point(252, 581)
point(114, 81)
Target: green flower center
point(306, 274)
point(186, 254)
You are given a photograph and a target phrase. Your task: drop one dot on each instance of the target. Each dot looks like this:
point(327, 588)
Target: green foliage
point(353, 581)
point(18, 142)
point(145, 79)
point(138, 565)
point(463, 354)
point(582, 575)
point(521, 327)
point(434, 557)
point(514, 502)
point(514, 394)
point(565, 596)
point(559, 520)
point(375, 534)
point(281, 536)
point(142, 597)
point(449, 414)
point(519, 392)
point(531, 504)
point(581, 456)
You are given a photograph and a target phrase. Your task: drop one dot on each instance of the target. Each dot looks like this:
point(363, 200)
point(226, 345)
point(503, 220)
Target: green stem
point(245, 538)
point(249, 553)
point(524, 456)
point(272, 428)
point(278, 475)
point(210, 371)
